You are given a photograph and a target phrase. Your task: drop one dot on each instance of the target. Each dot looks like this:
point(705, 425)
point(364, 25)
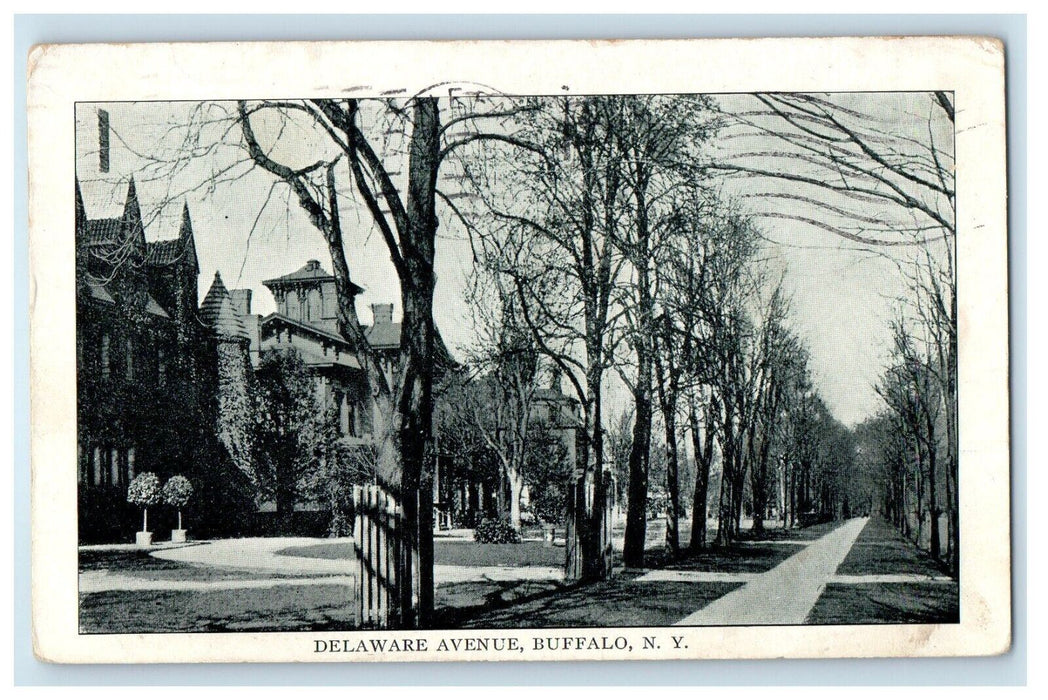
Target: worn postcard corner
point(515, 351)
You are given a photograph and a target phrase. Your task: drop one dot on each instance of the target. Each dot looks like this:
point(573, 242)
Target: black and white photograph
point(464, 360)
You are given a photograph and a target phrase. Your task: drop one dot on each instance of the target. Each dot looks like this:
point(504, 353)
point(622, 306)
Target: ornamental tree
point(177, 492)
point(144, 491)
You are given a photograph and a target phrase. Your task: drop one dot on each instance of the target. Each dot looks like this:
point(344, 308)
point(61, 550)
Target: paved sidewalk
point(262, 554)
point(786, 594)
point(259, 554)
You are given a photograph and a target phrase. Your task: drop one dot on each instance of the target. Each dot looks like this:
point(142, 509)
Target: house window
point(129, 364)
point(104, 356)
point(114, 467)
point(130, 464)
point(161, 368)
point(345, 415)
point(96, 465)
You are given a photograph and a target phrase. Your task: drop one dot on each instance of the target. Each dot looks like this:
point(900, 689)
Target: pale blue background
point(1009, 669)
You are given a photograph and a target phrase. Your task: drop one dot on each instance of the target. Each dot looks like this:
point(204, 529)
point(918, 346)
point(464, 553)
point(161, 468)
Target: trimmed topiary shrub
point(496, 532)
point(144, 491)
point(177, 492)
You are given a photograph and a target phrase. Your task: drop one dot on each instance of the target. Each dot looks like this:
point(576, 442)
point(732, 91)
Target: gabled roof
point(98, 292)
point(154, 308)
point(346, 353)
point(103, 231)
point(171, 250)
point(164, 252)
point(113, 231)
point(546, 394)
point(312, 330)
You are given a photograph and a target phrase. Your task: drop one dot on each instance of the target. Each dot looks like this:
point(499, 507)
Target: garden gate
point(378, 544)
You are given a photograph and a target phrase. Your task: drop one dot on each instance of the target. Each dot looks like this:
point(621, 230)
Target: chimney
point(383, 314)
point(555, 381)
point(103, 141)
point(241, 301)
point(312, 265)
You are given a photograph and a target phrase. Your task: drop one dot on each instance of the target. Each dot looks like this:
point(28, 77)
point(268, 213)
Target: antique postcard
point(409, 351)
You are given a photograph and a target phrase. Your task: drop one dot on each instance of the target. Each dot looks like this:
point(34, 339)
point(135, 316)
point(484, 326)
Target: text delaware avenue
point(469, 644)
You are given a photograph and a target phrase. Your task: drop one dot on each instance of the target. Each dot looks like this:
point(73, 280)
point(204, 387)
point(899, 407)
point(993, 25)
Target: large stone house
point(155, 373)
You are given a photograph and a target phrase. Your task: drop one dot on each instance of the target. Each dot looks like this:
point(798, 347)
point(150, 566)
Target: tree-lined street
point(625, 368)
point(859, 570)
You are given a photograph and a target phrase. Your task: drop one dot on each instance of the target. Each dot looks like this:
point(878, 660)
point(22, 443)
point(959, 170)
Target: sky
point(249, 230)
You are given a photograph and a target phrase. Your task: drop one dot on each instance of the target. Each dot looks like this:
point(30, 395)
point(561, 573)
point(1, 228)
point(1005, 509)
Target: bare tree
point(661, 141)
point(424, 132)
point(911, 391)
point(549, 223)
point(878, 174)
point(501, 402)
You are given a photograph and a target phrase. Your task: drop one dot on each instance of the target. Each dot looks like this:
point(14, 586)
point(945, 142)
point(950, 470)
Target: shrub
point(177, 491)
point(496, 532)
point(144, 490)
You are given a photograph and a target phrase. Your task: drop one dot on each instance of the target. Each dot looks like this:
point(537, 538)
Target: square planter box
point(178, 535)
point(144, 539)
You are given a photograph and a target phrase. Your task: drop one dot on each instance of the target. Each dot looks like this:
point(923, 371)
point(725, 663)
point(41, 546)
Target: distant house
point(306, 321)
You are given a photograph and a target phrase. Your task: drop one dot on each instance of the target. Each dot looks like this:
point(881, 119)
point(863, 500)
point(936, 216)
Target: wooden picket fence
point(379, 545)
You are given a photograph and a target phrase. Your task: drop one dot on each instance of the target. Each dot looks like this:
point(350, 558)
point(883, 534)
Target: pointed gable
point(172, 250)
point(81, 211)
point(185, 235)
point(132, 218)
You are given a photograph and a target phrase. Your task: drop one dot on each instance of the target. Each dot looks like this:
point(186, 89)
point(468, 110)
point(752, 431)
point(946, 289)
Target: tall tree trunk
point(703, 448)
point(672, 484)
point(667, 384)
point(585, 561)
point(514, 487)
point(933, 506)
point(640, 451)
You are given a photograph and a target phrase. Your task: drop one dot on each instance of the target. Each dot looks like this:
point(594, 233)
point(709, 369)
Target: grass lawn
point(280, 607)
point(740, 558)
point(620, 602)
point(810, 533)
point(880, 549)
point(453, 552)
point(873, 603)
